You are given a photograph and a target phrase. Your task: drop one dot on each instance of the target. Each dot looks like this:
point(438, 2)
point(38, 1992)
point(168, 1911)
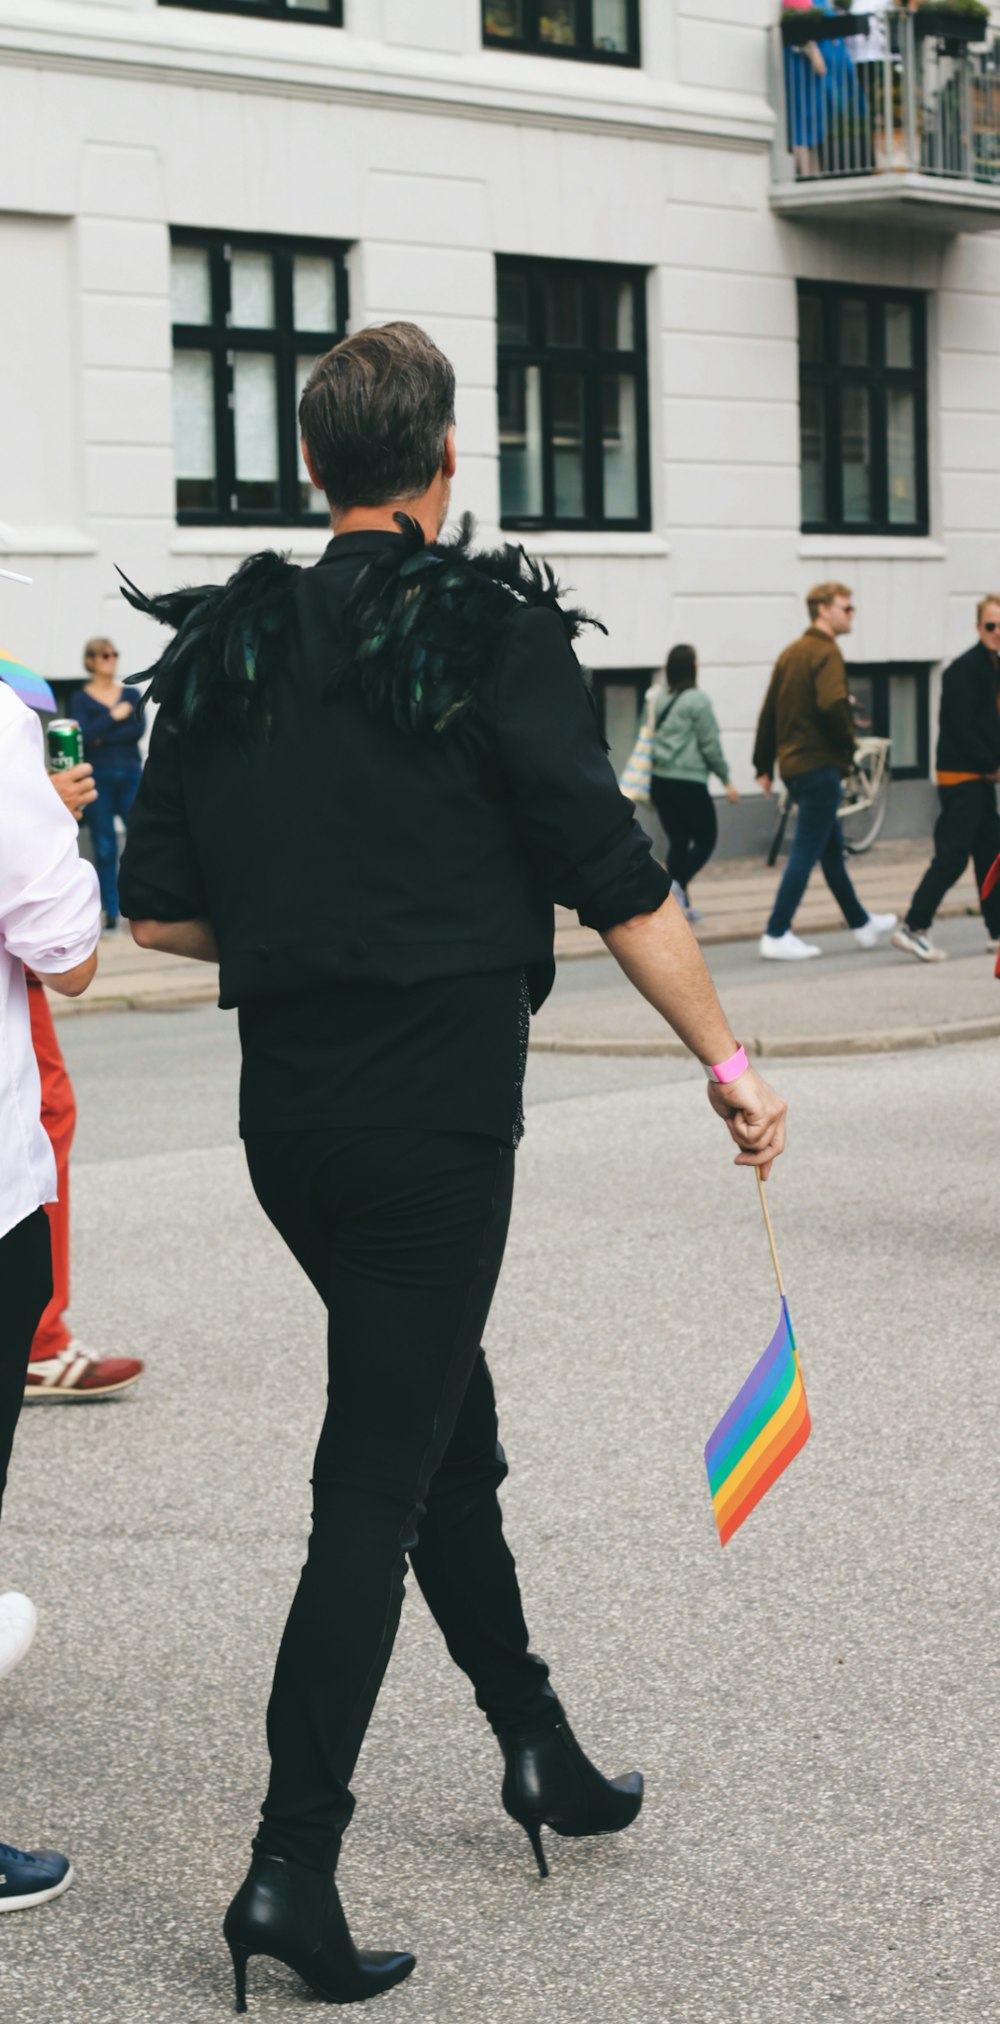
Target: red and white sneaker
point(76, 1373)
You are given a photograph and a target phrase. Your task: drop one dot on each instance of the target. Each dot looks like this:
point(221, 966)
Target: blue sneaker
point(31, 1879)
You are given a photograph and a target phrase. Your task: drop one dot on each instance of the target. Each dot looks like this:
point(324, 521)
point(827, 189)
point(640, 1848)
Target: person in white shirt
point(50, 918)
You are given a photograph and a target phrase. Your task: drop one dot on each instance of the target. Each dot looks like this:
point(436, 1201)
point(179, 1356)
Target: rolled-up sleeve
point(581, 833)
point(50, 908)
point(160, 877)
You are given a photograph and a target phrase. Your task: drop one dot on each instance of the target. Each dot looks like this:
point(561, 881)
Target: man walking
point(806, 726)
point(968, 767)
point(385, 971)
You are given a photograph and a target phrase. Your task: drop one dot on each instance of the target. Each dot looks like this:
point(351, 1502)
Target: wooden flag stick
point(770, 1232)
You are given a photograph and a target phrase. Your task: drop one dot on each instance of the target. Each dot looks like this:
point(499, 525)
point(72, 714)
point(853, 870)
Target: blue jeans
point(115, 795)
point(818, 839)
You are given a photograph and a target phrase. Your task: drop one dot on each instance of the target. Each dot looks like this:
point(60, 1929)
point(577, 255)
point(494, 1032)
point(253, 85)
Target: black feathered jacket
point(969, 732)
point(359, 774)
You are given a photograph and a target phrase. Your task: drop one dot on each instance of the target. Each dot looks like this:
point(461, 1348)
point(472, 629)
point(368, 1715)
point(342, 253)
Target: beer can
point(65, 744)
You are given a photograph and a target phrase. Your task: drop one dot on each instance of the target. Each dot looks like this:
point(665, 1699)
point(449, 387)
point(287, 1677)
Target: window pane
point(557, 24)
point(899, 335)
point(862, 693)
point(520, 404)
point(563, 309)
point(856, 454)
point(904, 720)
point(567, 440)
point(617, 315)
point(194, 431)
point(252, 291)
point(314, 299)
point(810, 330)
point(310, 501)
point(310, 6)
point(504, 17)
point(512, 308)
point(256, 416)
point(190, 284)
point(853, 333)
point(812, 427)
point(620, 447)
point(902, 417)
point(611, 26)
point(621, 719)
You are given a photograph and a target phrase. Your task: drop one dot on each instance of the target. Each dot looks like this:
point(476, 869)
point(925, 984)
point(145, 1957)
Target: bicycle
point(864, 804)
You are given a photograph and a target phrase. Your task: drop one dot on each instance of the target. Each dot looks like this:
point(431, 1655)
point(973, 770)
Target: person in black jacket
point(968, 768)
point(367, 784)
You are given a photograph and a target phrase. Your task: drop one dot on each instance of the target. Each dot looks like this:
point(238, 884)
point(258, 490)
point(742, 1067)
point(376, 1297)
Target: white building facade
point(698, 369)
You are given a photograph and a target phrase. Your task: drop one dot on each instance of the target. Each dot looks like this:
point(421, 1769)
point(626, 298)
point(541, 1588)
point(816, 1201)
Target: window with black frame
point(571, 374)
point(893, 701)
point(250, 318)
point(619, 699)
point(330, 12)
point(863, 410)
point(596, 31)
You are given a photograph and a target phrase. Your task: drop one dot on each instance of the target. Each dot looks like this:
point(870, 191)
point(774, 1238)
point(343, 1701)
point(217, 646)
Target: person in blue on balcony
point(818, 81)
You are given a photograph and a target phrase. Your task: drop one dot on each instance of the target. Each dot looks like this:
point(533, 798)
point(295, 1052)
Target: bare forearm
point(660, 956)
point(195, 939)
point(69, 983)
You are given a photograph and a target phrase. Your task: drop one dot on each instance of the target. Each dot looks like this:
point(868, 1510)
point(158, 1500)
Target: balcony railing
point(890, 105)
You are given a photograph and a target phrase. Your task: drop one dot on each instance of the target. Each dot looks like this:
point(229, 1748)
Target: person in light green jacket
point(687, 748)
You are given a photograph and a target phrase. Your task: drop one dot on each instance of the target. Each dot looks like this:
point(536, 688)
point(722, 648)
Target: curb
point(900, 1040)
point(139, 1001)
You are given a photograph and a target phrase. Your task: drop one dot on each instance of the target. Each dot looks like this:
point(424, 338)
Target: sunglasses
point(991, 625)
point(107, 654)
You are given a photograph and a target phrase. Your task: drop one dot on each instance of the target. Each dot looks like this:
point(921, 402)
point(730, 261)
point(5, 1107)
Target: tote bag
point(636, 782)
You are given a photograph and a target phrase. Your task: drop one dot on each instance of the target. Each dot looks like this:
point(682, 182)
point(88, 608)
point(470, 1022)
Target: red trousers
point(59, 1119)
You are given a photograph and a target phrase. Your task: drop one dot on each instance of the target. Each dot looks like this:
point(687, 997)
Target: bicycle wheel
point(779, 830)
point(866, 796)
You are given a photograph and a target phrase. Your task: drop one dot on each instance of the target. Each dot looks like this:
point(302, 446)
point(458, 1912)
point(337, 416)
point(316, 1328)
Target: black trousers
point(688, 819)
point(968, 826)
point(25, 1292)
point(402, 1233)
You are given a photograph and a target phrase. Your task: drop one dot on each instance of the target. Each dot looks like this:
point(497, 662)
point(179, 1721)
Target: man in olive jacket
point(806, 726)
point(968, 767)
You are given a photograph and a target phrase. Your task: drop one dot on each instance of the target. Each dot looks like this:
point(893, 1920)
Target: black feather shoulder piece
point(427, 621)
point(215, 671)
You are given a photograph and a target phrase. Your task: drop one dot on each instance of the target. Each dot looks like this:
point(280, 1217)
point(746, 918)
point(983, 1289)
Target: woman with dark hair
point(687, 749)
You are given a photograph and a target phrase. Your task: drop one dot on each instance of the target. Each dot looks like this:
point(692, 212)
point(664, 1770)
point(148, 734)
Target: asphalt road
point(815, 1709)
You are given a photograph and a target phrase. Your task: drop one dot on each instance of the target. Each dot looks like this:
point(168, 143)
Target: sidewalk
point(872, 1004)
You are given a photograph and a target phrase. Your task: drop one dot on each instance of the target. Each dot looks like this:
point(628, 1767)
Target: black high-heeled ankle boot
point(294, 1915)
point(549, 1782)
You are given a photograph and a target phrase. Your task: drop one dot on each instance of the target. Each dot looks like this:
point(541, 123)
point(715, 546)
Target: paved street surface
point(815, 1709)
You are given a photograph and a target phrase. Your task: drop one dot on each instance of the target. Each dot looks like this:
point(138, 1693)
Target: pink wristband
point(727, 1071)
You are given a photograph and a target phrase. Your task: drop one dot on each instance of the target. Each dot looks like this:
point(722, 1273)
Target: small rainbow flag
point(767, 1423)
point(33, 689)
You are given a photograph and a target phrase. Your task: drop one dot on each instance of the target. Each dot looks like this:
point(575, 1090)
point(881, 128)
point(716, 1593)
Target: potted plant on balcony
point(801, 23)
point(956, 23)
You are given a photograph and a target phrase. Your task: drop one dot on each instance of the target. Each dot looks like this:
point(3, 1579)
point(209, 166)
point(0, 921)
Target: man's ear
point(449, 461)
point(310, 466)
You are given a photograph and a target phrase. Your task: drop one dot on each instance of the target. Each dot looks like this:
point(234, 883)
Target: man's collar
point(361, 541)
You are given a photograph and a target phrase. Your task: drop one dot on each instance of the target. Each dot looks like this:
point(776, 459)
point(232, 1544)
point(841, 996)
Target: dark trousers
point(402, 1233)
point(115, 795)
point(968, 826)
point(818, 839)
point(25, 1290)
point(689, 822)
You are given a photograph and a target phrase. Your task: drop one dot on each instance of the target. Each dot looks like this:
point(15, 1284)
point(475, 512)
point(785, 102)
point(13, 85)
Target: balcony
point(901, 127)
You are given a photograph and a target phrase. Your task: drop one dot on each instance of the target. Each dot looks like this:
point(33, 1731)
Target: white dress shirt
point(50, 918)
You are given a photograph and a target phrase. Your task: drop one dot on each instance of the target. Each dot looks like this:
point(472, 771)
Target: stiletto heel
point(240, 1955)
point(548, 1782)
point(533, 1831)
point(294, 1914)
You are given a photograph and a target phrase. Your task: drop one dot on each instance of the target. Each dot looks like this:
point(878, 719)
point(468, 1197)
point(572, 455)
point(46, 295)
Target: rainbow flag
point(33, 689)
point(767, 1423)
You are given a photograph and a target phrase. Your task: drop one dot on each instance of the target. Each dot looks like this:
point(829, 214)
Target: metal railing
point(889, 99)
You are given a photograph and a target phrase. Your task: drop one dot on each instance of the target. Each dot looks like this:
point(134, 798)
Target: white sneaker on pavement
point(875, 925)
point(18, 1623)
point(787, 948)
point(917, 942)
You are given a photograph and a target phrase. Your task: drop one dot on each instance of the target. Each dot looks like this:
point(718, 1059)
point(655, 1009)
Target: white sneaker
point(787, 948)
point(18, 1623)
point(875, 925)
point(917, 942)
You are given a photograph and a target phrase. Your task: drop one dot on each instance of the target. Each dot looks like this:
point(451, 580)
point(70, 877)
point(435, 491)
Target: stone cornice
point(224, 53)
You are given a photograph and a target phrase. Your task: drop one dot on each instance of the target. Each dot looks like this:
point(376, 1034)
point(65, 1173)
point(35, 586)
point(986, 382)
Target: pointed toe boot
point(548, 1782)
point(294, 1915)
